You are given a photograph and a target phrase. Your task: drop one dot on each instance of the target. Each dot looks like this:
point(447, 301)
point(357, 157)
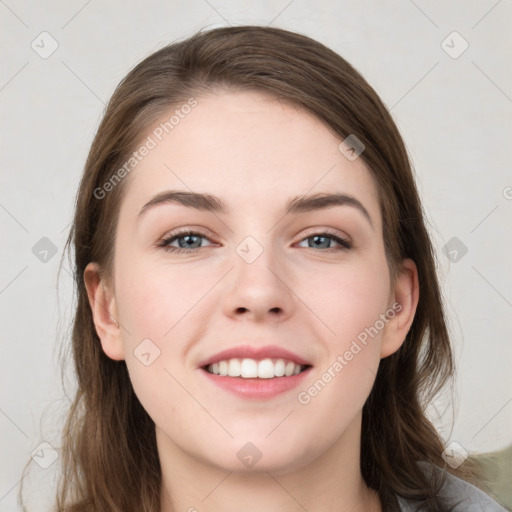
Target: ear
point(404, 303)
point(104, 311)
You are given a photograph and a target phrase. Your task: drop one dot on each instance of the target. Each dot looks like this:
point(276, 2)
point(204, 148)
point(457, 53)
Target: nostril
point(272, 310)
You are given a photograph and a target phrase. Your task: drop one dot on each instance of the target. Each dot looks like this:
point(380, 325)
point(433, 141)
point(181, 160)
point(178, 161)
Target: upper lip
point(257, 353)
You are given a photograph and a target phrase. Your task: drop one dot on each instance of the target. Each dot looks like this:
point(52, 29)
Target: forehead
point(248, 148)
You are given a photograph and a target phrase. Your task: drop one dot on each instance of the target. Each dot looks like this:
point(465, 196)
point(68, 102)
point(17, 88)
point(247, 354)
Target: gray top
point(457, 490)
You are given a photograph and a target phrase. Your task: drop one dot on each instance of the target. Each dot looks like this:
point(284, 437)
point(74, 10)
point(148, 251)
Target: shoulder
point(461, 495)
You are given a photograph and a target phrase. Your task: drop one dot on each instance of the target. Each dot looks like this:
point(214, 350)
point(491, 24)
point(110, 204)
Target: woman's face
point(259, 273)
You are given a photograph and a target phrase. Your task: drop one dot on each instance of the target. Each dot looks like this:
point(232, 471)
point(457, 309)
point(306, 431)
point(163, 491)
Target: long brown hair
point(109, 455)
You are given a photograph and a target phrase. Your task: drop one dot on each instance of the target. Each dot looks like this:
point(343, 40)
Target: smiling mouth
point(247, 368)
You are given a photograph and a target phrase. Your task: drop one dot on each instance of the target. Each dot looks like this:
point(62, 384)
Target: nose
point(259, 290)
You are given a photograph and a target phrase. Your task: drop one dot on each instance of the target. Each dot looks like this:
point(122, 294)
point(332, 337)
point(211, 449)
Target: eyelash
point(345, 244)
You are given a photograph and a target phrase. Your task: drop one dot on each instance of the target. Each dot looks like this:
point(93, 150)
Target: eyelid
point(195, 230)
point(315, 230)
point(344, 242)
point(180, 232)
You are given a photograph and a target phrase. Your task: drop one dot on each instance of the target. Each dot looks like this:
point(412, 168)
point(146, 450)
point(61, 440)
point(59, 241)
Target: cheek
point(152, 300)
point(163, 310)
point(352, 309)
point(352, 298)
point(153, 305)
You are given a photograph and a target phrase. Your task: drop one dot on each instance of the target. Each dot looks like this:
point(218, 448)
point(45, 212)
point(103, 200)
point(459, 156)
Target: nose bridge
point(258, 281)
point(256, 258)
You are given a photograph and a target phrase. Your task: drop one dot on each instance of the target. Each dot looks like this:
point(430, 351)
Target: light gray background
point(454, 114)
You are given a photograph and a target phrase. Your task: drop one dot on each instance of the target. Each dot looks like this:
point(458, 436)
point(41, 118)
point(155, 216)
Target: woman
point(259, 323)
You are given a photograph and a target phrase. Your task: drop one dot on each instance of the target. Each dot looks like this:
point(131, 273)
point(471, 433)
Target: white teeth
point(234, 368)
point(279, 368)
point(250, 368)
point(266, 369)
point(223, 368)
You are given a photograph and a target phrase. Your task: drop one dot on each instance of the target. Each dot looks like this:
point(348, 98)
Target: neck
point(331, 482)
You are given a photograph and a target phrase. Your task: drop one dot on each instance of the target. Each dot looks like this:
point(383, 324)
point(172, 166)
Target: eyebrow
point(211, 203)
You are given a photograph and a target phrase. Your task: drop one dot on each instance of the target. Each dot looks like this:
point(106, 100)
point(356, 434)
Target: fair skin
point(254, 153)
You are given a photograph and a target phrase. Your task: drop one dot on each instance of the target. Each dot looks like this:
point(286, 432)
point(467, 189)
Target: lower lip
point(257, 388)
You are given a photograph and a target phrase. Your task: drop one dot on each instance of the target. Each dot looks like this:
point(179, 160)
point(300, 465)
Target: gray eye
point(189, 241)
point(320, 241)
point(325, 241)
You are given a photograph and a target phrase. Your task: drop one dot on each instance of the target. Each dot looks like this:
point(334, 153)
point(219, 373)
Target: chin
point(258, 456)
